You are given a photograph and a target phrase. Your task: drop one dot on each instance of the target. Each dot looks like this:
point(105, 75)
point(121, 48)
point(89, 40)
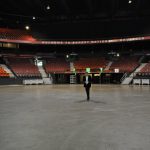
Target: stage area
point(58, 117)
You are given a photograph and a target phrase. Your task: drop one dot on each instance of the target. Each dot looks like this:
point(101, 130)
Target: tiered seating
point(12, 34)
point(125, 64)
point(23, 67)
point(93, 63)
point(3, 73)
point(55, 65)
point(146, 69)
point(143, 76)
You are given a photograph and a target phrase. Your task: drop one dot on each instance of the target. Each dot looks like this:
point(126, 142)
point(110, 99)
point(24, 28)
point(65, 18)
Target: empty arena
point(75, 75)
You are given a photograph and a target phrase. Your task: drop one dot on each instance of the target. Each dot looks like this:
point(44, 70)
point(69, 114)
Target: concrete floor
point(58, 118)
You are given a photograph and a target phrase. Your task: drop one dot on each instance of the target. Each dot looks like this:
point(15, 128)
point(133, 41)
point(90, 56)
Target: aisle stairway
point(46, 79)
point(109, 65)
point(128, 80)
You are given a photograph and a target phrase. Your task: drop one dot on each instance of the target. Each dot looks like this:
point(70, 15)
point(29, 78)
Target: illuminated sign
point(88, 70)
point(84, 42)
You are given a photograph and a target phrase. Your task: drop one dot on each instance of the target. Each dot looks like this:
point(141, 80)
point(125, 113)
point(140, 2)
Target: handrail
point(124, 76)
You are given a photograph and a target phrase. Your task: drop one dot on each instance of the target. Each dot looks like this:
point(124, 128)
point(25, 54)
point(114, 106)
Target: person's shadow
point(93, 101)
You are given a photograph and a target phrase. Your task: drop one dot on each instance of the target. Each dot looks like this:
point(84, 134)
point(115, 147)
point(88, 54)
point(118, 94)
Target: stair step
point(130, 78)
point(42, 71)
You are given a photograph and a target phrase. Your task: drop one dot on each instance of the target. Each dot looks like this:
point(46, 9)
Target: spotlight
point(33, 18)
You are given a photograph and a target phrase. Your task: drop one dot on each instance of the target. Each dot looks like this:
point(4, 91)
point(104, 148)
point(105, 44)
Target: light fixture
point(48, 7)
point(27, 27)
point(130, 1)
point(33, 18)
point(118, 55)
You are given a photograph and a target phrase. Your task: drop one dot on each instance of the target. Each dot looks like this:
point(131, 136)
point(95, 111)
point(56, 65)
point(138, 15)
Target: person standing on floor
point(87, 84)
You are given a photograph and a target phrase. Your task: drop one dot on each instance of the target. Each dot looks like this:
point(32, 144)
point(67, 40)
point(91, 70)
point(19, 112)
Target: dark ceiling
point(78, 19)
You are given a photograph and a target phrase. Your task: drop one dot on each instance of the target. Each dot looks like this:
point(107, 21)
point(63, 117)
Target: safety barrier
point(33, 82)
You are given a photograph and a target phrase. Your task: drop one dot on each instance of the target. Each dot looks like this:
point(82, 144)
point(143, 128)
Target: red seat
point(3, 73)
point(125, 64)
point(23, 66)
point(93, 63)
point(57, 65)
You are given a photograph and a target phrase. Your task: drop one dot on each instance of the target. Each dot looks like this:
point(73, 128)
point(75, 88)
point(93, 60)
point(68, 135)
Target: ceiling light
point(33, 18)
point(48, 7)
point(27, 27)
point(118, 54)
point(130, 1)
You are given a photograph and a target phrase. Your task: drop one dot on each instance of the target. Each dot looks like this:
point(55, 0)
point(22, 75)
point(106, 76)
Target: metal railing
point(123, 77)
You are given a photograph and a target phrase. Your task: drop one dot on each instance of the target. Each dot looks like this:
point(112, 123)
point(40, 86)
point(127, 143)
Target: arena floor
point(58, 117)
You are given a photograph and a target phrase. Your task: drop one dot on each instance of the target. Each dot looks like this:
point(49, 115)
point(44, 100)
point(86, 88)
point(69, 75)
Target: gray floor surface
point(58, 117)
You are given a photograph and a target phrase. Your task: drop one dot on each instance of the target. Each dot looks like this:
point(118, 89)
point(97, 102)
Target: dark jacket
point(89, 81)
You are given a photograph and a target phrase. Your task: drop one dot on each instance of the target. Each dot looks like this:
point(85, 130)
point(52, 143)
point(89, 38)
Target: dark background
point(77, 19)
